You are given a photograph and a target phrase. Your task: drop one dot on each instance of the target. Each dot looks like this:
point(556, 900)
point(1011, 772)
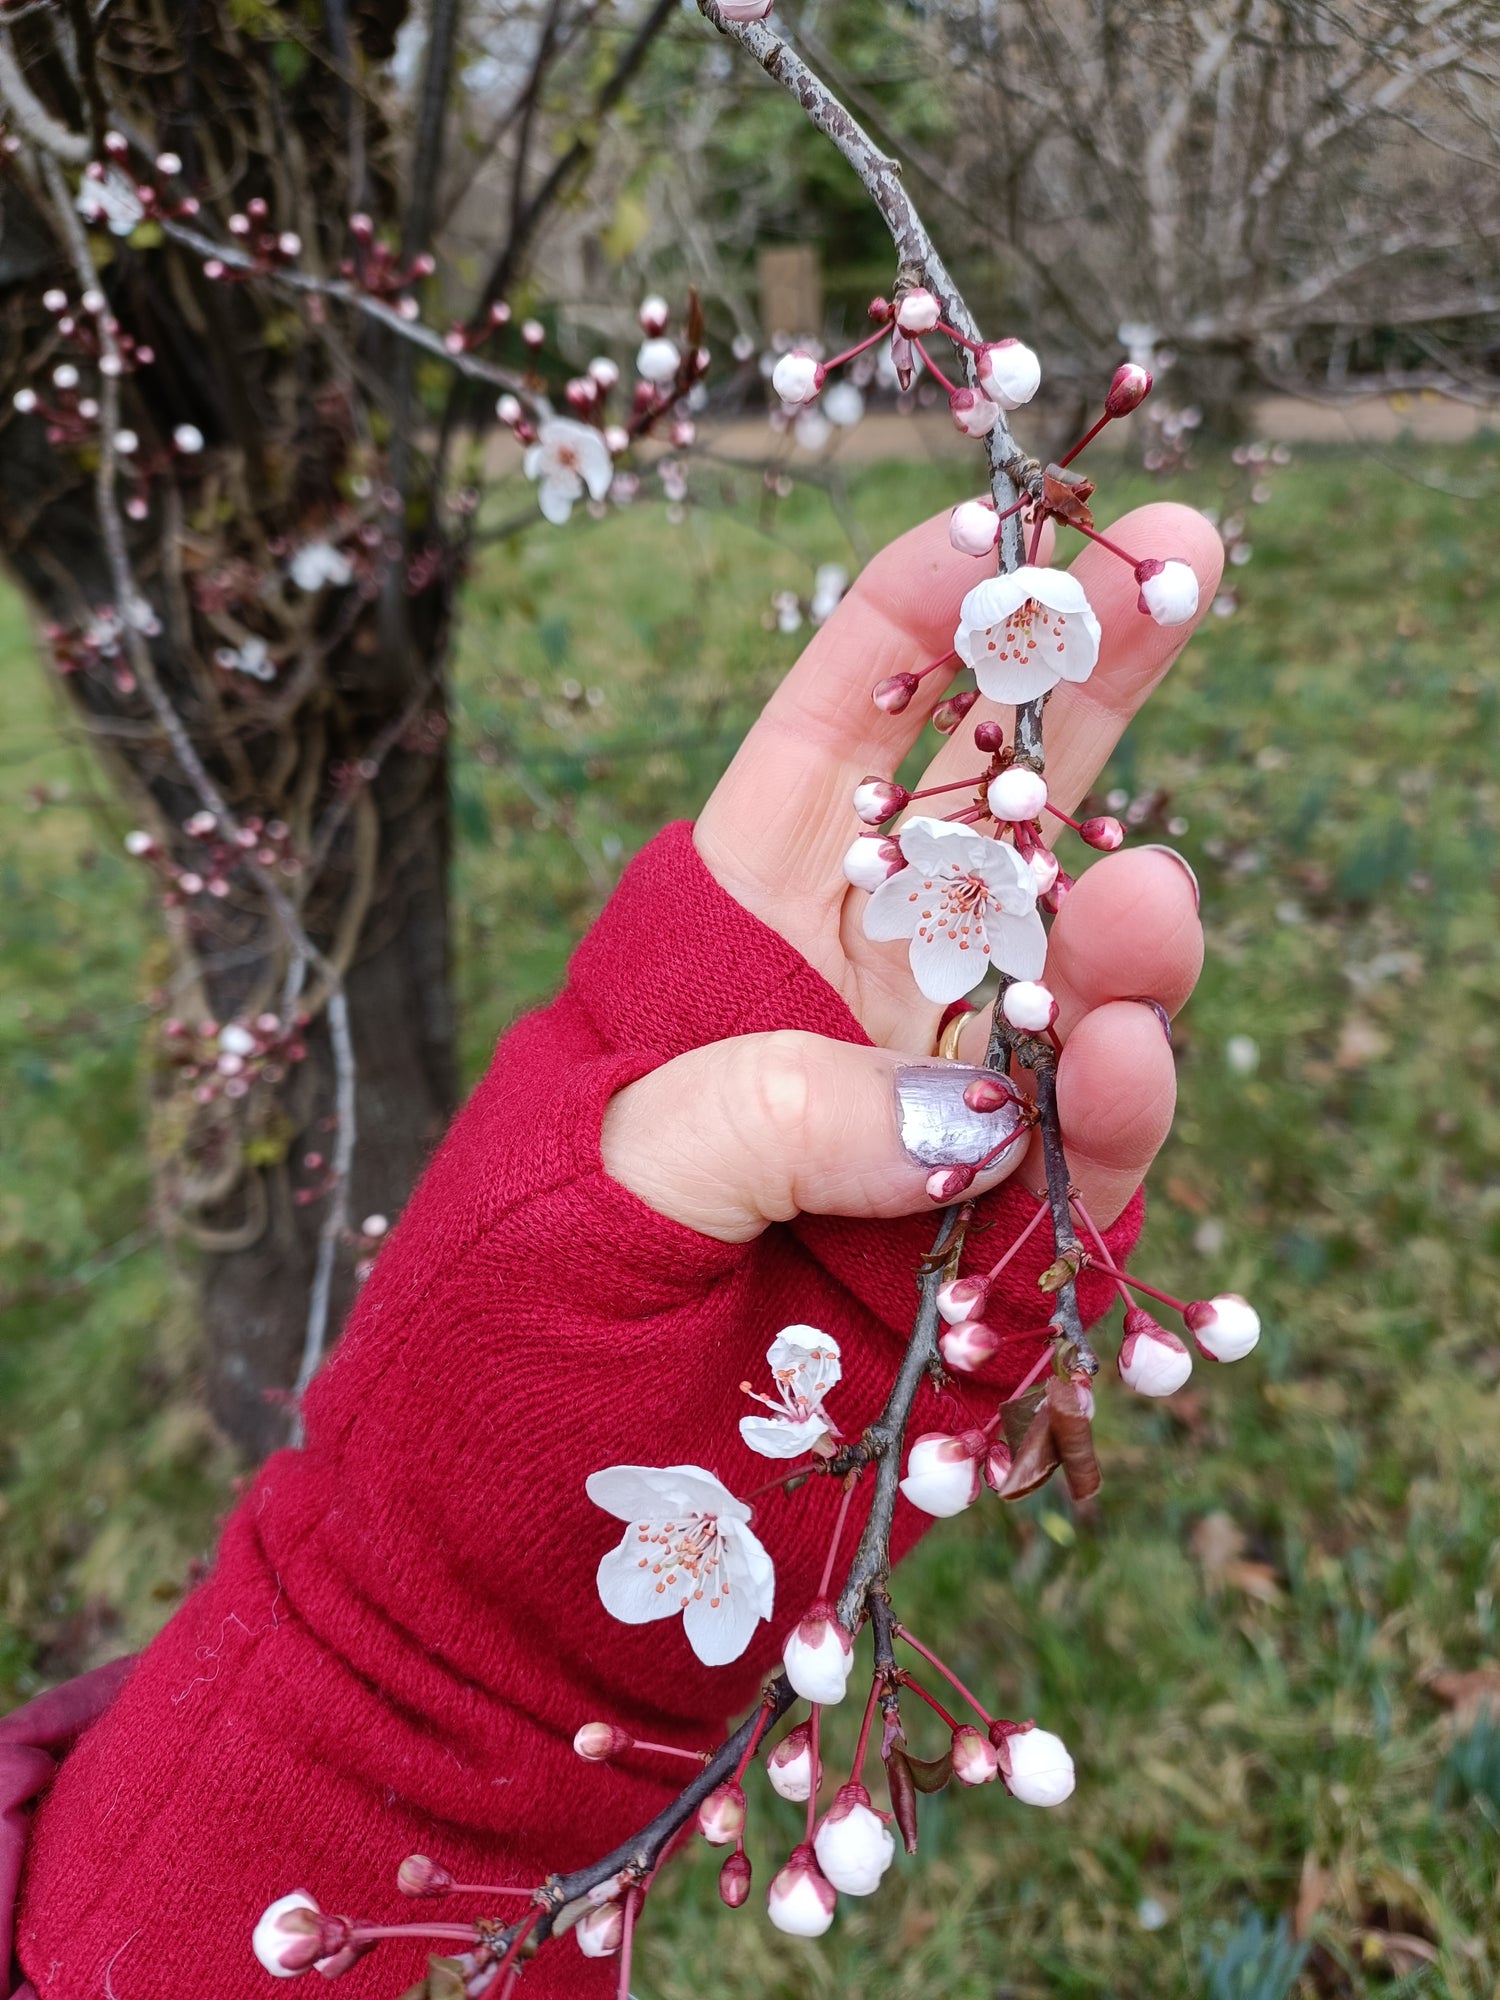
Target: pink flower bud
point(420, 1876)
point(1225, 1327)
point(1028, 1006)
point(790, 1766)
point(975, 1761)
point(1128, 390)
point(894, 693)
point(962, 1298)
point(284, 1931)
point(601, 1933)
point(654, 315)
point(969, 1345)
point(974, 527)
point(997, 1462)
point(361, 228)
point(1104, 833)
point(603, 373)
point(801, 1899)
point(1044, 868)
point(950, 713)
point(721, 1817)
point(734, 1880)
point(1057, 895)
point(1009, 373)
point(1017, 793)
point(989, 1093)
point(657, 361)
point(140, 845)
point(1034, 1763)
point(904, 361)
point(989, 737)
point(880, 309)
point(872, 858)
point(942, 1474)
point(818, 1655)
point(533, 333)
point(25, 401)
point(853, 1844)
point(879, 799)
point(973, 414)
point(1152, 1361)
point(598, 1742)
point(948, 1183)
point(917, 311)
point(798, 377)
point(580, 393)
point(1169, 590)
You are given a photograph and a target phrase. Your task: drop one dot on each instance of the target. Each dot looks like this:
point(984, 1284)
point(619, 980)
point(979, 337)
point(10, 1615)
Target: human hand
point(731, 1137)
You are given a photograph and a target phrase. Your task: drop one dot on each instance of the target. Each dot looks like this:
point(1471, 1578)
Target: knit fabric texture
point(401, 1632)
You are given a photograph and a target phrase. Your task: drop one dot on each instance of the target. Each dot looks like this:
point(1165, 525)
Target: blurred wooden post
point(791, 290)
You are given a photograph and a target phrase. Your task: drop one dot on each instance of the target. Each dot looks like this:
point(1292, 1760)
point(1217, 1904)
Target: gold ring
point(947, 1041)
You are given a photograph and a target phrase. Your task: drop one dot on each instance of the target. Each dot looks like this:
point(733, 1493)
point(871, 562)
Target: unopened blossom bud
point(236, 1041)
point(1043, 864)
point(1225, 1327)
point(918, 311)
point(1009, 373)
point(1017, 793)
point(894, 693)
point(139, 844)
point(950, 713)
point(972, 412)
point(598, 1742)
point(974, 527)
point(1053, 899)
point(818, 1655)
point(989, 737)
point(55, 300)
point(617, 438)
point(657, 361)
point(721, 1817)
point(1028, 1006)
point(508, 409)
point(199, 825)
point(188, 439)
point(127, 443)
point(962, 1298)
point(942, 1473)
point(853, 1844)
point(374, 1226)
point(968, 1346)
point(879, 799)
point(798, 377)
point(903, 360)
point(1169, 590)
point(654, 316)
point(533, 333)
point(997, 1463)
point(580, 393)
point(419, 1875)
point(289, 244)
point(872, 858)
point(948, 1183)
point(24, 401)
point(1152, 1361)
point(989, 1093)
point(601, 1933)
point(1104, 832)
point(790, 1766)
point(362, 227)
point(801, 1899)
point(603, 372)
point(94, 301)
point(734, 1880)
point(283, 1932)
point(975, 1760)
point(1034, 1763)
point(65, 377)
point(168, 165)
point(1128, 390)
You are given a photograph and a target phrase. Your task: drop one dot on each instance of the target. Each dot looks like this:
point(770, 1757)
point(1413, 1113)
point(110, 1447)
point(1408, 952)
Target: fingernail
point(937, 1128)
point(1156, 847)
point(1163, 1017)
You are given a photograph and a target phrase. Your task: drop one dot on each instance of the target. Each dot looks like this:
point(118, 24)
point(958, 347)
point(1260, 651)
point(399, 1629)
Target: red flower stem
point(527, 1925)
point(858, 348)
point(948, 1675)
point(970, 816)
point(958, 339)
point(672, 1750)
point(1087, 439)
point(487, 1889)
point(1137, 1284)
point(1021, 1131)
point(1058, 813)
point(833, 1546)
point(750, 1748)
point(923, 672)
point(1035, 1223)
point(931, 1700)
point(932, 367)
point(627, 1941)
point(450, 1933)
point(1036, 539)
point(1093, 1229)
point(1105, 543)
point(858, 1765)
point(812, 1783)
point(1019, 1390)
point(958, 785)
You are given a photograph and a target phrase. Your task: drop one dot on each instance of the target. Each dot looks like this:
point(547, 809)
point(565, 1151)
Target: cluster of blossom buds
point(271, 249)
point(377, 270)
point(111, 194)
point(226, 1060)
point(211, 872)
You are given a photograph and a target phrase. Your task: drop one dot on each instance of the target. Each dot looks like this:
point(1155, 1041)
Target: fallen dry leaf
point(1312, 1894)
point(1360, 1042)
point(1215, 1542)
point(1471, 1697)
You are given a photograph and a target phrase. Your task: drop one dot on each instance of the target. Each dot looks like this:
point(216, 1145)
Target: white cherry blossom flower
point(688, 1550)
point(111, 199)
point(568, 459)
point(804, 1367)
point(966, 902)
point(318, 563)
point(1025, 631)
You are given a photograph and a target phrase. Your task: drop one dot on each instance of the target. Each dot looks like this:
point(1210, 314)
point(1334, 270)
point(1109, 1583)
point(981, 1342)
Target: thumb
point(730, 1138)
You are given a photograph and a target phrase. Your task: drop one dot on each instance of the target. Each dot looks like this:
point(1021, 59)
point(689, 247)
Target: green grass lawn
point(1239, 1641)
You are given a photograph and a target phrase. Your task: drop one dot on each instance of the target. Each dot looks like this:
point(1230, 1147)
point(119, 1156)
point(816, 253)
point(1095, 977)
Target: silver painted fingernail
point(1156, 847)
point(938, 1129)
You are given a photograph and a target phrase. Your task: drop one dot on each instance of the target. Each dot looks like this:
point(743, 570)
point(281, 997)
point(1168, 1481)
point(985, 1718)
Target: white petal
point(780, 1437)
point(939, 847)
point(629, 1592)
point(1058, 589)
point(1015, 681)
point(533, 461)
point(719, 1633)
point(1018, 945)
point(944, 968)
point(662, 1493)
point(1007, 877)
point(596, 465)
point(892, 911)
point(1081, 637)
point(556, 494)
point(750, 1569)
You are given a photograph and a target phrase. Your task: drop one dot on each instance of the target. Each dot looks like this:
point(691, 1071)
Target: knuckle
point(782, 1088)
